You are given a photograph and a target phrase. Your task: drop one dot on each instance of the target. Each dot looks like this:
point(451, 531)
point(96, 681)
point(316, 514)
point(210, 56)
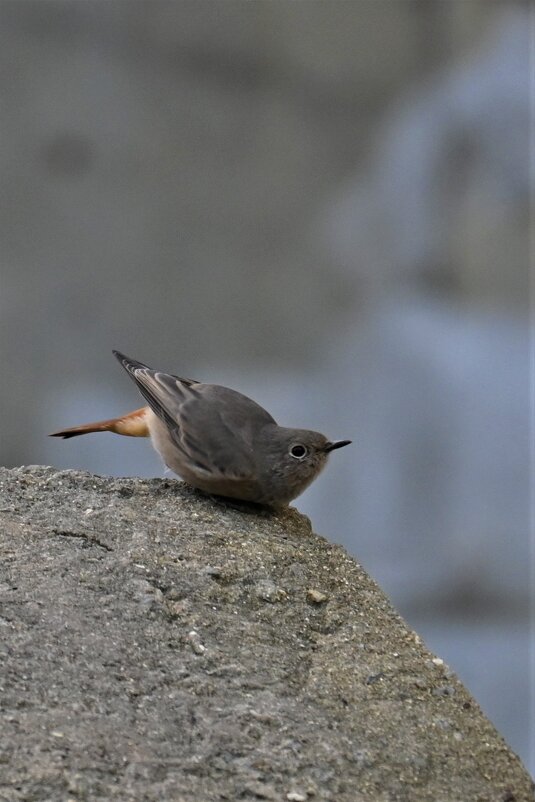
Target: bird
point(217, 439)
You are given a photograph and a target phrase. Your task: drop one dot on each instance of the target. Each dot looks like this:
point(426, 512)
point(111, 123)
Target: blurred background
point(324, 205)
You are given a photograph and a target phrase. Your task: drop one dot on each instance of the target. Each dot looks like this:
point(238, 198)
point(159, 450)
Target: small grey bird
point(217, 439)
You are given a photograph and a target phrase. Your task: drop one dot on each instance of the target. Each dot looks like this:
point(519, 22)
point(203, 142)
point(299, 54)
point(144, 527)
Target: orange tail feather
point(134, 424)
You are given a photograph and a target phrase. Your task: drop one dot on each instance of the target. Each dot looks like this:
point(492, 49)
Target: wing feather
point(213, 427)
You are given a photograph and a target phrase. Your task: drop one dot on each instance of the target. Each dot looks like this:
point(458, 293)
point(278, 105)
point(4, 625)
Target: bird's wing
point(213, 427)
point(163, 392)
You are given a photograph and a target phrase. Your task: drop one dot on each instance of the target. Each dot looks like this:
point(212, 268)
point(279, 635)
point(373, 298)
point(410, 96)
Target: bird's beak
point(336, 444)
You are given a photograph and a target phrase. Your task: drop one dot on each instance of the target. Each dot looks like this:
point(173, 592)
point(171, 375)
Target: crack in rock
point(89, 539)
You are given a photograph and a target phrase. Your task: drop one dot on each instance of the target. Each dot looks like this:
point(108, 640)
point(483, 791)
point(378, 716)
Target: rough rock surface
point(158, 646)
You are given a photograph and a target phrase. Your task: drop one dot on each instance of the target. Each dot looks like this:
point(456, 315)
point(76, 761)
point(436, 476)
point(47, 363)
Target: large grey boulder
point(158, 646)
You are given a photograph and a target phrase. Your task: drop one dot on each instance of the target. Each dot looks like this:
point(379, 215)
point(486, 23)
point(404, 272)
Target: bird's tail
point(133, 424)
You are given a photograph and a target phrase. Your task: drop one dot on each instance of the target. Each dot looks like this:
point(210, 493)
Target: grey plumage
point(224, 443)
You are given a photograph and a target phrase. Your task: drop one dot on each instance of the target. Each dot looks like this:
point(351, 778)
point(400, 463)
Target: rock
point(166, 648)
point(316, 596)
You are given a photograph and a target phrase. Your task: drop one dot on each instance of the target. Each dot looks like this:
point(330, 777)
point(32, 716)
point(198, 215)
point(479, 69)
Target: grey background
point(324, 205)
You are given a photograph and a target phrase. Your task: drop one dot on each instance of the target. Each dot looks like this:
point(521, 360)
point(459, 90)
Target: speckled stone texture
point(156, 645)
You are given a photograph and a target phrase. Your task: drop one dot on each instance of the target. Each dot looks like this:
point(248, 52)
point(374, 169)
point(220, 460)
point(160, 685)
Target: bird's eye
point(298, 451)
